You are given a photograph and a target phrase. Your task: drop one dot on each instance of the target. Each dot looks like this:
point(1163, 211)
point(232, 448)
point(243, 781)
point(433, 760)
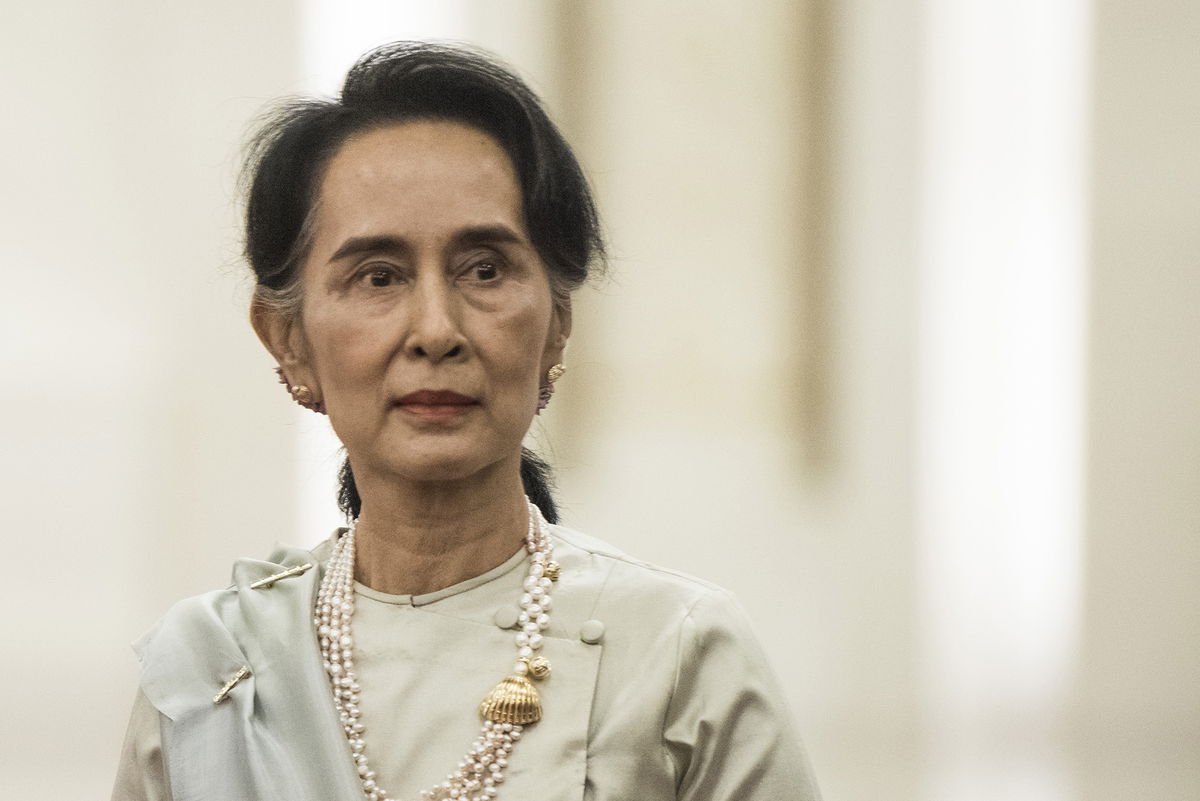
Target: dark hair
point(407, 81)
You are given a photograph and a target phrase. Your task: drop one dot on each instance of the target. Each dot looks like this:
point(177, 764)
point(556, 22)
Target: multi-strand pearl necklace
point(511, 705)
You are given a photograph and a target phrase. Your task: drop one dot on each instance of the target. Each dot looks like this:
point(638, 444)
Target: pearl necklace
point(513, 704)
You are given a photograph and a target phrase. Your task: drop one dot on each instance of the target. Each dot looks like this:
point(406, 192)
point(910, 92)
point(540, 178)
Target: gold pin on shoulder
point(242, 673)
point(291, 571)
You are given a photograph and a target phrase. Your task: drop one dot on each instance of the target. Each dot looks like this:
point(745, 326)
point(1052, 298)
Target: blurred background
point(899, 344)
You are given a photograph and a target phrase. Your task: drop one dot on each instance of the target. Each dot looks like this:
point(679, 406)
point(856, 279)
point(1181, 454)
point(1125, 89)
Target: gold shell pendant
point(514, 700)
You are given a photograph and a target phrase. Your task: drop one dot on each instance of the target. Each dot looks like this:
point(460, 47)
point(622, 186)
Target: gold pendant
point(514, 700)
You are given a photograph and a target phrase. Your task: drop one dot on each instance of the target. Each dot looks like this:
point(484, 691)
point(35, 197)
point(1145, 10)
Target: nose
point(435, 333)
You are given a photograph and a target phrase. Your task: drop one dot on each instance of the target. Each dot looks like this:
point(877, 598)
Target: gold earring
point(300, 393)
point(547, 388)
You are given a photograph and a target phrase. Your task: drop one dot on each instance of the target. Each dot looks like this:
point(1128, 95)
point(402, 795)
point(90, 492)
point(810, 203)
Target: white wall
point(143, 442)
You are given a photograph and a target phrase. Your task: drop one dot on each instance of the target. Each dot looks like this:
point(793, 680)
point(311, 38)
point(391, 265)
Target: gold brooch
point(291, 571)
point(242, 673)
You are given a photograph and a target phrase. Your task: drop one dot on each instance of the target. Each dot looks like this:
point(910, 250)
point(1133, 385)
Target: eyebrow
point(474, 235)
point(358, 245)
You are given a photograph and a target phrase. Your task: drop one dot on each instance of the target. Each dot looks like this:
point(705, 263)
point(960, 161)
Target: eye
point(484, 271)
point(378, 275)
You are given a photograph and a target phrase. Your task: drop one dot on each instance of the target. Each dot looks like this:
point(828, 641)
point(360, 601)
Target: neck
point(419, 537)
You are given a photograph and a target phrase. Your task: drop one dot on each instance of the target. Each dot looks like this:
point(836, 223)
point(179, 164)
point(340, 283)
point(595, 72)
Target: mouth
point(439, 404)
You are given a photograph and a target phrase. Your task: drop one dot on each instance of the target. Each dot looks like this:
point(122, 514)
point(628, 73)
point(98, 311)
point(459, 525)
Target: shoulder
point(217, 607)
point(629, 567)
point(627, 586)
point(208, 635)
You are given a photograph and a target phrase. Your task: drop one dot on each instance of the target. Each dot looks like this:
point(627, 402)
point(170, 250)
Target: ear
point(560, 332)
point(280, 335)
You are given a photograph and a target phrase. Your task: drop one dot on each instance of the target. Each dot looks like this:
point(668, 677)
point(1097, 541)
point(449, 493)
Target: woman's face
point(427, 321)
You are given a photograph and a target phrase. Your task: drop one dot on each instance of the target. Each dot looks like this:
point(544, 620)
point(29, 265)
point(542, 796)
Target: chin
point(439, 472)
point(458, 457)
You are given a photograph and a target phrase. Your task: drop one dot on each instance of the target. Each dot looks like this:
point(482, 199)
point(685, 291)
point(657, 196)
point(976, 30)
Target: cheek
point(517, 342)
point(344, 351)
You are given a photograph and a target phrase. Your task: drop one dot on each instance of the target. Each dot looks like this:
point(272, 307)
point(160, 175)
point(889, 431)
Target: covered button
point(505, 617)
point(592, 631)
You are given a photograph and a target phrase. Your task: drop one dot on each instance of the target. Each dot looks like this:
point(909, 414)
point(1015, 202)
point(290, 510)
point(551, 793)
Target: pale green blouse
point(658, 690)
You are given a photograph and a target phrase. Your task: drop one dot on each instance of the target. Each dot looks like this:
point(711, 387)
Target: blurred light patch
point(1000, 407)
point(335, 34)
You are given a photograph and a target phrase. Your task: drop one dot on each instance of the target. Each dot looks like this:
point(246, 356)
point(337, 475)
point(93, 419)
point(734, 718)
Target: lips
point(440, 404)
point(440, 397)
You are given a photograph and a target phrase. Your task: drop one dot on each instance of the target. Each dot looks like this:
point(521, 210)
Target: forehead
point(418, 179)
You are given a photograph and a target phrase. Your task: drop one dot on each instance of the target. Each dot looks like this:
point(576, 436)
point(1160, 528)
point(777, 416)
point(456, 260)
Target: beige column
point(1138, 726)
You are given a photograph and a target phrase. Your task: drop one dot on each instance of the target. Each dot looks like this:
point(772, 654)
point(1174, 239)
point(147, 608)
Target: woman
point(415, 244)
